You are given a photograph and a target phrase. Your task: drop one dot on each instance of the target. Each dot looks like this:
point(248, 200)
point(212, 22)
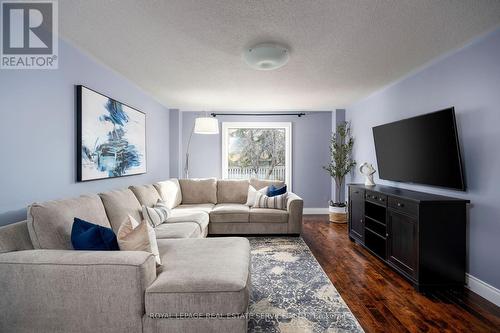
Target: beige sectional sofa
point(203, 285)
point(224, 201)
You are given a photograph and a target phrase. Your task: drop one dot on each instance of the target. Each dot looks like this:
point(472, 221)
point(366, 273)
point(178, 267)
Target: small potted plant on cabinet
point(341, 163)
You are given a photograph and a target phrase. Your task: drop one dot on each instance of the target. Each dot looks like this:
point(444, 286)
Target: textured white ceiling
point(188, 54)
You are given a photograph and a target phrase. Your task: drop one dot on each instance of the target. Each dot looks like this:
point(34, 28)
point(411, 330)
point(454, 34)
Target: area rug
point(291, 292)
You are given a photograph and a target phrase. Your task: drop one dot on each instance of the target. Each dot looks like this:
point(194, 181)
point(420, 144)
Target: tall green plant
point(341, 162)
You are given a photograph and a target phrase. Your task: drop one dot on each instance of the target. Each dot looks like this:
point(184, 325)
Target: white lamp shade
point(206, 125)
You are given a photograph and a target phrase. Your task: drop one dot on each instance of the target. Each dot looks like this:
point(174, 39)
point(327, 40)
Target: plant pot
point(338, 214)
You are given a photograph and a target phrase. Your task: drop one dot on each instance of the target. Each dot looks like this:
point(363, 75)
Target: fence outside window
point(277, 173)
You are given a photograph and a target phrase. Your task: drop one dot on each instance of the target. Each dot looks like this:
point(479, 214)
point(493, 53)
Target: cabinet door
point(402, 233)
point(356, 213)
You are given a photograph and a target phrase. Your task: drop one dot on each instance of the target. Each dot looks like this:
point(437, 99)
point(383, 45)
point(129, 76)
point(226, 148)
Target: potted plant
point(341, 163)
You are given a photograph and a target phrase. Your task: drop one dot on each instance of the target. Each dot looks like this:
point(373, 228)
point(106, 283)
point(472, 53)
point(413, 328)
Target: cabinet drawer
point(404, 206)
point(376, 197)
point(356, 192)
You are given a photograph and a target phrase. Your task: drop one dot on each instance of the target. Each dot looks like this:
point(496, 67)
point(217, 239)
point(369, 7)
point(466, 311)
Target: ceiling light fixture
point(266, 56)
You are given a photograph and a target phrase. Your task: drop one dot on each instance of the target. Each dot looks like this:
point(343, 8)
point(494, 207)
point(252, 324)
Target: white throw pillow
point(157, 214)
point(276, 202)
point(135, 236)
point(251, 194)
point(170, 192)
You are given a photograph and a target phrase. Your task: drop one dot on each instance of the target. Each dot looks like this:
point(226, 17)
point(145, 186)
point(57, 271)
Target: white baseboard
point(315, 211)
point(483, 289)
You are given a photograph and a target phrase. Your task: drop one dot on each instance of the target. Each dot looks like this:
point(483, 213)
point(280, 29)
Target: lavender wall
point(174, 143)
point(37, 132)
point(310, 137)
point(468, 79)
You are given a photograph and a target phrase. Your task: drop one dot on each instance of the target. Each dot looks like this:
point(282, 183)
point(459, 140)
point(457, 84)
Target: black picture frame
point(79, 135)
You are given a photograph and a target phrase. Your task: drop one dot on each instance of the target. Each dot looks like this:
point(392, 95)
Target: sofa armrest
point(58, 290)
point(295, 206)
point(15, 237)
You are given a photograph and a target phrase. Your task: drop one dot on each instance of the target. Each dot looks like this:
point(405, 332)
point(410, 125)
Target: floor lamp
point(202, 125)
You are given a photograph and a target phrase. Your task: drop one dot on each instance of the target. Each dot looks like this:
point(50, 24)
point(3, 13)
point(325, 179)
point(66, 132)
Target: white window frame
point(287, 126)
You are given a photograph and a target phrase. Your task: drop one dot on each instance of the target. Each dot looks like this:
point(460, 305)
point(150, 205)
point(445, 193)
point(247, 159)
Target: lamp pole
point(186, 165)
point(202, 125)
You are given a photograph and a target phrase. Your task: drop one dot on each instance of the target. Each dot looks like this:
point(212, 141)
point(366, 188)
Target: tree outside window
point(256, 150)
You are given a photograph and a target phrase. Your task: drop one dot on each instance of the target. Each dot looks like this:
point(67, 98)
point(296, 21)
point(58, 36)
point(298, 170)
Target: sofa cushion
point(146, 194)
point(208, 275)
point(207, 208)
point(232, 191)
point(261, 183)
point(199, 191)
point(92, 237)
point(229, 212)
point(119, 204)
point(50, 223)
point(247, 228)
point(199, 217)
point(170, 192)
point(268, 215)
point(177, 230)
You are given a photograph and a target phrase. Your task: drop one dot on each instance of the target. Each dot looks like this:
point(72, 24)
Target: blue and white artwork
point(111, 138)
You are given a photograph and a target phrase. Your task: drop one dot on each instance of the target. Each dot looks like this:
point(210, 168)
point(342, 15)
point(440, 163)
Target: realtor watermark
point(29, 35)
point(314, 316)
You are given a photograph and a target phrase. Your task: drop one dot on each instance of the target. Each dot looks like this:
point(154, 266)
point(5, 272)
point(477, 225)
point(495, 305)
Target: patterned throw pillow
point(276, 202)
point(157, 214)
point(135, 236)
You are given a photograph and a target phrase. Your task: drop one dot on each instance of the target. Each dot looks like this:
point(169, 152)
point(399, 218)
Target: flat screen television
point(423, 150)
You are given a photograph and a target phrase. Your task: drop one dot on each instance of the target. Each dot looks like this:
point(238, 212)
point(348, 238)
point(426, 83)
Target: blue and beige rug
point(291, 292)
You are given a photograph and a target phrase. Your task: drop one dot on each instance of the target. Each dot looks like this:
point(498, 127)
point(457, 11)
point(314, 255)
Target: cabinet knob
point(400, 204)
point(387, 235)
point(361, 220)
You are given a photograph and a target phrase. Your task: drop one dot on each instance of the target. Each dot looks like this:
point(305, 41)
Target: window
point(257, 150)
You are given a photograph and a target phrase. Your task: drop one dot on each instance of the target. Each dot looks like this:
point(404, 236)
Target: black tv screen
point(423, 149)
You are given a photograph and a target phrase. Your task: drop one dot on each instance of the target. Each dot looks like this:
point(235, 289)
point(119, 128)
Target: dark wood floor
point(381, 299)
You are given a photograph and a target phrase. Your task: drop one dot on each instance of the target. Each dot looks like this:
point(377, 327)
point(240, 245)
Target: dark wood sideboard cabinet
point(420, 235)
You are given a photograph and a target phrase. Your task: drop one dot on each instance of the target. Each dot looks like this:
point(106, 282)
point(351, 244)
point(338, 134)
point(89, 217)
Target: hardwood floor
point(381, 299)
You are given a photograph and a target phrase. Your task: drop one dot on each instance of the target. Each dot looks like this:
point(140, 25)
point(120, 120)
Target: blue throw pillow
point(274, 191)
point(89, 236)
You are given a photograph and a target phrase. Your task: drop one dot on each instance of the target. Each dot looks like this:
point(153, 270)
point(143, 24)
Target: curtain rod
point(261, 114)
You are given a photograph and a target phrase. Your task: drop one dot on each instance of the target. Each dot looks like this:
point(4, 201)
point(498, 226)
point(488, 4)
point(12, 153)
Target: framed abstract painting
point(111, 137)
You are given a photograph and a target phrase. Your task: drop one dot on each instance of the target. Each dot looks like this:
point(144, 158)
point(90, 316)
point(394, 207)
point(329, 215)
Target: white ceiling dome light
point(266, 56)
